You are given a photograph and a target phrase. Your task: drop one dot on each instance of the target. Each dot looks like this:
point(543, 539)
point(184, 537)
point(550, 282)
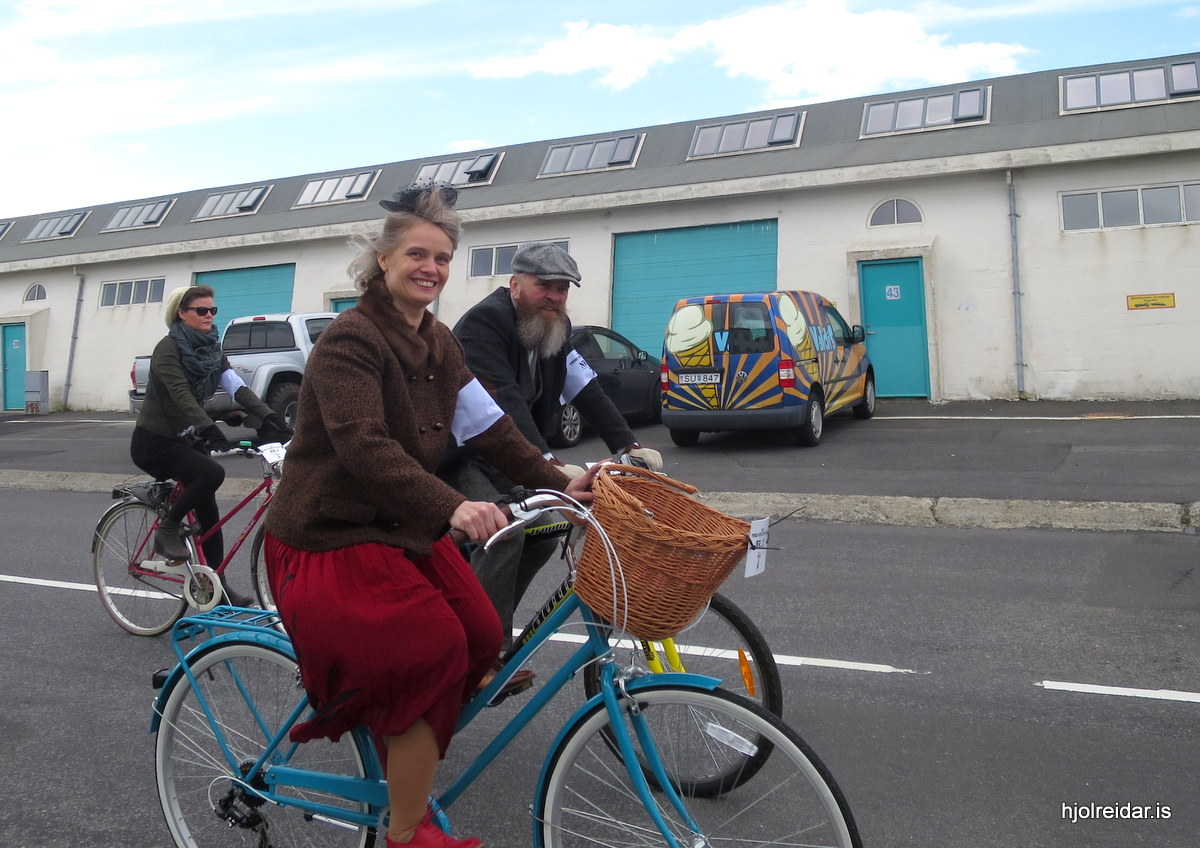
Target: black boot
point(168, 541)
point(235, 598)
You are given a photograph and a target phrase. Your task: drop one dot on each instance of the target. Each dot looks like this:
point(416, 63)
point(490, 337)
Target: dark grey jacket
point(488, 333)
point(170, 407)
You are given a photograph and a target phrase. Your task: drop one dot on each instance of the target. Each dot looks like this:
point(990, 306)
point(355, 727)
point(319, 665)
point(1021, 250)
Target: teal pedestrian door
point(14, 366)
point(893, 303)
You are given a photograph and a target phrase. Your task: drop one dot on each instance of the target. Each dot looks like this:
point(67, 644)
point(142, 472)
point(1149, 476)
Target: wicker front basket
point(674, 552)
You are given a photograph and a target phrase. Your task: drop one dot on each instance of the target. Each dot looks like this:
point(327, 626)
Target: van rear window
point(749, 326)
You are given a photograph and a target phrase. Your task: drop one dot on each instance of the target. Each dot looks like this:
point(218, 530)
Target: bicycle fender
point(647, 681)
point(270, 639)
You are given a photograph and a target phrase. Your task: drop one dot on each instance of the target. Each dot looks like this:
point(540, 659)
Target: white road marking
point(1092, 689)
point(53, 584)
point(780, 659)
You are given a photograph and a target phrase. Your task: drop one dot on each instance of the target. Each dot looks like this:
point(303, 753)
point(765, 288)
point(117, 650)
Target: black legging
point(201, 475)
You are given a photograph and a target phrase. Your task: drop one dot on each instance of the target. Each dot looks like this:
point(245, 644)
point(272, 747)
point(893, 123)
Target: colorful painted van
point(770, 360)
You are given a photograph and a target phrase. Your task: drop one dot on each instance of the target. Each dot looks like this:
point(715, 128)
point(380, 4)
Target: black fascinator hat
point(405, 200)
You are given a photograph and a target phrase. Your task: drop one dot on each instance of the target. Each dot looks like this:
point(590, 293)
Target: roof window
point(474, 170)
point(243, 201)
point(141, 215)
point(601, 155)
point(1134, 87)
point(935, 111)
point(746, 136)
point(336, 189)
point(58, 226)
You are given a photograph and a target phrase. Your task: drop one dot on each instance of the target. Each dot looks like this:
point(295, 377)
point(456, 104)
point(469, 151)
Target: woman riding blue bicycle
point(390, 626)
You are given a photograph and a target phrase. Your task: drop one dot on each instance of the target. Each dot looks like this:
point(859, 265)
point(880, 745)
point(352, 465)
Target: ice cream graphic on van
point(689, 337)
point(798, 335)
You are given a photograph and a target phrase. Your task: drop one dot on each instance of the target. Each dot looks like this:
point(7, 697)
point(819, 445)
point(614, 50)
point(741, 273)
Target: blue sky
point(107, 100)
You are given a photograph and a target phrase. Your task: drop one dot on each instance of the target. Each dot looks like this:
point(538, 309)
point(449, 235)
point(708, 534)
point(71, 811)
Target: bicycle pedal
point(520, 682)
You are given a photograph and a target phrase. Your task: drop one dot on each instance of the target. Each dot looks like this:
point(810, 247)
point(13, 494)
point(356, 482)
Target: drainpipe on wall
point(74, 339)
point(1016, 284)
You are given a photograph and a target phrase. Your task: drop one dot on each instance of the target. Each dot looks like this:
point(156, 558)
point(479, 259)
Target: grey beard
point(536, 334)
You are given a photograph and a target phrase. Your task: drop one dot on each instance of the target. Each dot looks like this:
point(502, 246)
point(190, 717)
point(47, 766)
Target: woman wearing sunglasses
point(173, 434)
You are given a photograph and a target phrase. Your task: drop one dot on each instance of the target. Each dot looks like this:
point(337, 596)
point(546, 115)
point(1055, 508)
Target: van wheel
point(865, 408)
point(283, 399)
point(685, 438)
point(570, 427)
point(814, 422)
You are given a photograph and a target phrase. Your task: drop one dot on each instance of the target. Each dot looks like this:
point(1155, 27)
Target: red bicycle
point(145, 593)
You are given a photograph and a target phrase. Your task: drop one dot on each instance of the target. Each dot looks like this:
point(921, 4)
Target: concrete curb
point(983, 513)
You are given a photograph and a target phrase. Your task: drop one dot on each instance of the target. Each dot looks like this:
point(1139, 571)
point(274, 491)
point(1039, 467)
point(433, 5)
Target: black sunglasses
point(202, 311)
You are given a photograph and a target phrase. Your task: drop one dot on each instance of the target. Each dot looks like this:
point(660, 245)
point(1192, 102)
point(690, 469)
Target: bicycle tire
point(137, 601)
point(706, 648)
point(258, 570)
point(194, 779)
point(585, 797)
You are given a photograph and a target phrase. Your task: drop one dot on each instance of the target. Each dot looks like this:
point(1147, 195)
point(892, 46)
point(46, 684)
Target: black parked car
point(628, 375)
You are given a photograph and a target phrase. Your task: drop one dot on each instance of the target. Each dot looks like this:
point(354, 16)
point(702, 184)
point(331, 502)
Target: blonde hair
point(430, 206)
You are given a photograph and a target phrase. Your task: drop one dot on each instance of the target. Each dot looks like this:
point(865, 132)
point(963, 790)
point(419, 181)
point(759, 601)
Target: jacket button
point(412, 378)
point(437, 426)
point(420, 429)
point(428, 378)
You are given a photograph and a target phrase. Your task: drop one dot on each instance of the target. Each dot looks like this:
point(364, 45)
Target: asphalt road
point(967, 687)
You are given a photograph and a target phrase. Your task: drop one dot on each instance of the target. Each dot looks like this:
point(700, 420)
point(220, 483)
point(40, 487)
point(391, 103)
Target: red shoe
point(429, 835)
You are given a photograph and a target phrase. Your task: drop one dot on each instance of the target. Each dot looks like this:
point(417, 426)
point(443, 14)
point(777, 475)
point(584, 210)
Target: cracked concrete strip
point(985, 513)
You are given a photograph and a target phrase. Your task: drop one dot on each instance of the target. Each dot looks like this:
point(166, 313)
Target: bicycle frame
point(372, 790)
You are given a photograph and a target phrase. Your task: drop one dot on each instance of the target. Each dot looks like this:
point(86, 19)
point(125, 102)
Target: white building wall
point(1082, 341)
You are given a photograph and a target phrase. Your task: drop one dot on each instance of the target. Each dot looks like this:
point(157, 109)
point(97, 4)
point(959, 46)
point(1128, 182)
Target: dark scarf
point(201, 355)
point(418, 350)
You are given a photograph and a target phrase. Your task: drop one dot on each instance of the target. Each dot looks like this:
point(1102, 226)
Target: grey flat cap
point(545, 261)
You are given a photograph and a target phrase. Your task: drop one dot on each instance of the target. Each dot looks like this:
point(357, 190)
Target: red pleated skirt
point(382, 638)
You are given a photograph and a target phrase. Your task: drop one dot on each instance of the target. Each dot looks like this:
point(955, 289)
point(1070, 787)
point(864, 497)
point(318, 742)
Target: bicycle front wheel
point(724, 644)
point(587, 797)
point(243, 695)
point(140, 599)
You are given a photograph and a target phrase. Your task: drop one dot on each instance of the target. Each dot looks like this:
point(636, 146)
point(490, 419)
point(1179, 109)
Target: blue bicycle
point(650, 760)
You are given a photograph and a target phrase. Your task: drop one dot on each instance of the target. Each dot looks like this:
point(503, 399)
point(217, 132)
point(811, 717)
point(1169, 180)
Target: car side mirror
point(642, 356)
point(857, 334)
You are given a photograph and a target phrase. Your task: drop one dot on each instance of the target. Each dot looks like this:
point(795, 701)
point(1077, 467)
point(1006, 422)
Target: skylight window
point(238, 202)
point(746, 136)
point(1135, 87)
point(475, 170)
point(336, 189)
point(59, 226)
point(591, 155)
point(5, 226)
point(142, 215)
point(935, 111)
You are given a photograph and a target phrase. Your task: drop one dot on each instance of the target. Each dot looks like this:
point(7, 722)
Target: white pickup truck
point(267, 351)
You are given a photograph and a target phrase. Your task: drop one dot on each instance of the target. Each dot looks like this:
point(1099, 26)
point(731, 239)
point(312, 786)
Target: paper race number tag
point(756, 554)
point(272, 451)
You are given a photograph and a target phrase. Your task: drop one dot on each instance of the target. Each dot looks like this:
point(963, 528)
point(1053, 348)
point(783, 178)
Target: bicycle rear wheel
point(586, 796)
point(140, 601)
point(249, 690)
point(258, 571)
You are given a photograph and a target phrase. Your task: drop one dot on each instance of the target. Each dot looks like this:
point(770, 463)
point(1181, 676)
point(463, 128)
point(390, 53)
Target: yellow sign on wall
point(1150, 301)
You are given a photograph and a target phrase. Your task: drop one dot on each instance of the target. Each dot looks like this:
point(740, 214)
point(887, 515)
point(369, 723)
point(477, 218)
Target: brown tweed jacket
point(370, 432)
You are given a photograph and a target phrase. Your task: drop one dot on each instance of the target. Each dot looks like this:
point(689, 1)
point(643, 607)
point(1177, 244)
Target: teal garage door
point(652, 270)
point(250, 291)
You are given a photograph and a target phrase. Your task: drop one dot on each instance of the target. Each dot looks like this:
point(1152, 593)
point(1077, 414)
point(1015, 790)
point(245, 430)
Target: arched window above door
point(35, 292)
point(895, 211)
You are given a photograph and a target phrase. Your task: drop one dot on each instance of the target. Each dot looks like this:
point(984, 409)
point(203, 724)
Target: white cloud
point(811, 50)
point(623, 53)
